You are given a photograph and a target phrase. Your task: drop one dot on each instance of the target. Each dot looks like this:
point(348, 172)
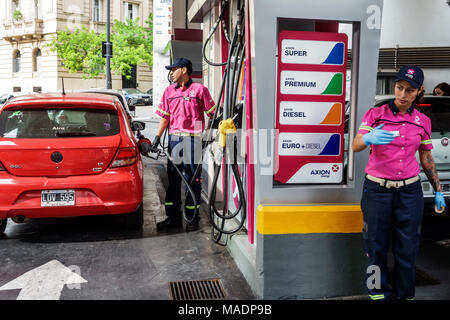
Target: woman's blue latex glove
point(378, 136)
point(439, 200)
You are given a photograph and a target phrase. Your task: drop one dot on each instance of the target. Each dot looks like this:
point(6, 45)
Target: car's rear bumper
point(114, 191)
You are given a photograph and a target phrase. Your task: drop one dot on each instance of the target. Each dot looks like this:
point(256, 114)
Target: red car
point(65, 155)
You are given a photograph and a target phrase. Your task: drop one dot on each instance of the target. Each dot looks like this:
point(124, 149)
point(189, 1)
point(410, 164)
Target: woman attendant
point(392, 198)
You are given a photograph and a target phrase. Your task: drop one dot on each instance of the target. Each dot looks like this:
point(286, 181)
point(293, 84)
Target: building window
point(15, 10)
point(97, 10)
point(37, 60)
point(99, 67)
point(130, 11)
point(37, 9)
point(37, 89)
point(15, 5)
point(16, 61)
point(385, 83)
point(17, 89)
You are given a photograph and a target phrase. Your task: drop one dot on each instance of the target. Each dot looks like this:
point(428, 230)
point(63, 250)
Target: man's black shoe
point(192, 226)
point(168, 224)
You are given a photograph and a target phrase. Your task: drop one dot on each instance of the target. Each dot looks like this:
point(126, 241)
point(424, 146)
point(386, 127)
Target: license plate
point(56, 198)
point(147, 100)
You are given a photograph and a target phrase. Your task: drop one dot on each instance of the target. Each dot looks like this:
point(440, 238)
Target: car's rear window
point(58, 123)
point(438, 110)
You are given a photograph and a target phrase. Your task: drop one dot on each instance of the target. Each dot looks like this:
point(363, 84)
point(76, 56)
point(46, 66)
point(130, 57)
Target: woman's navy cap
point(413, 74)
point(181, 62)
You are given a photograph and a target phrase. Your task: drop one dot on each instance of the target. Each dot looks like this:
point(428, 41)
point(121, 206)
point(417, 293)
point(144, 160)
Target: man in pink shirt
point(392, 200)
point(181, 109)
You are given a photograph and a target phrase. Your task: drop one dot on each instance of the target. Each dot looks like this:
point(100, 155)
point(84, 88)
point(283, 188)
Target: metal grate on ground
point(197, 290)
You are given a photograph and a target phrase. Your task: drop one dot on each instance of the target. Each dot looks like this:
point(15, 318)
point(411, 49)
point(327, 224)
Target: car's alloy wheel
point(3, 225)
point(135, 220)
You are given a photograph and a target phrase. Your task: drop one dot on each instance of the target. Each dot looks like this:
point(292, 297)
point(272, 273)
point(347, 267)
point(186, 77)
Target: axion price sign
point(310, 107)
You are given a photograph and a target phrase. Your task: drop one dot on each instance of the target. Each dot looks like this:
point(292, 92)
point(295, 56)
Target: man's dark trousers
point(392, 213)
point(186, 154)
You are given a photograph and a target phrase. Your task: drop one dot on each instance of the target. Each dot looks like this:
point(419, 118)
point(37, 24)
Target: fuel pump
point(303, 184)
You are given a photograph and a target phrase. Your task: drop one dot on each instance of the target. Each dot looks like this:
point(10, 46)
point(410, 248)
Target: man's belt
point(186, 134)
point(392, 183)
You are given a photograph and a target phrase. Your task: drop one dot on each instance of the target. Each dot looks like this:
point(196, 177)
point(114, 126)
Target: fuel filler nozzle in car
point(145, 147)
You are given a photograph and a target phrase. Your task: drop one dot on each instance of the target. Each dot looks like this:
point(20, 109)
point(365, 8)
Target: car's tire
point(135, 220)
point(3, 223)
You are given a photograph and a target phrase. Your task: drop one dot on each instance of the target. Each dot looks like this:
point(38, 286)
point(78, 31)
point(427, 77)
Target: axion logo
point(335, 168)
point(320, 172)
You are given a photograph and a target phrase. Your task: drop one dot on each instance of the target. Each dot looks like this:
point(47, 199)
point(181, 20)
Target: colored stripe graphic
point(333, 146)
point(309, 144)
point(337, 55)
point(312, 52)
point(310, 113)
point(311, 82)
point(335, 85)
point(334, 116)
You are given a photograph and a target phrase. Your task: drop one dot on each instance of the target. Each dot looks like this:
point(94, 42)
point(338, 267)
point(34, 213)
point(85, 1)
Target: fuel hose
point(230, 82)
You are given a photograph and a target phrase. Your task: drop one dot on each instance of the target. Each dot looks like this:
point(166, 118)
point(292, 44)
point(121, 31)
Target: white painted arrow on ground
point(45, 282)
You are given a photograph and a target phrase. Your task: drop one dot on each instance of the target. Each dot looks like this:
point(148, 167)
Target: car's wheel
point(3, 225)
point(135, 220)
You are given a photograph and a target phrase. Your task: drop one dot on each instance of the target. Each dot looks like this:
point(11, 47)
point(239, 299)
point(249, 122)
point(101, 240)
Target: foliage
point(132, 45)
point(17, 15)
point(81, 50)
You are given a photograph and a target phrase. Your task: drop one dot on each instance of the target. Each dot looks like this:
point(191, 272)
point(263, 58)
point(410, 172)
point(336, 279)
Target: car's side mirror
point(137, 125)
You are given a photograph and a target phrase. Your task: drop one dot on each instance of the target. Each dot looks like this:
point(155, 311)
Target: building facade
point(28, 26)
point(413, 32)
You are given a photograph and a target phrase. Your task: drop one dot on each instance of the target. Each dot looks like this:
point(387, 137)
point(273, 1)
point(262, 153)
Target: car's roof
point(85, 99)
point(99, 90)
point(379, 100)
point(110, 92)
point(391, 96)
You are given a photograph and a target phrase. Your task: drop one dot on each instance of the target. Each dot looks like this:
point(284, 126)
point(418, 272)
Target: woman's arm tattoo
point(429, 168)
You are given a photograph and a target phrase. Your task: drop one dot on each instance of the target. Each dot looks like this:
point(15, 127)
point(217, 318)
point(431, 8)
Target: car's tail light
point(2, 168)
point(125, 157)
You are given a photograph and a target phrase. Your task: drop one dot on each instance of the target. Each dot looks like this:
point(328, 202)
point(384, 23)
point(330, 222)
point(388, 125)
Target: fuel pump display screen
point(310, 107)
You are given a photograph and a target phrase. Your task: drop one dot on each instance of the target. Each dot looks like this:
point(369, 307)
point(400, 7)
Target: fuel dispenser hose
point(230, 82)
point(225, 127)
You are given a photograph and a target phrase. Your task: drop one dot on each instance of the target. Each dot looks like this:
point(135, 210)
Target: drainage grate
point(197, 290)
